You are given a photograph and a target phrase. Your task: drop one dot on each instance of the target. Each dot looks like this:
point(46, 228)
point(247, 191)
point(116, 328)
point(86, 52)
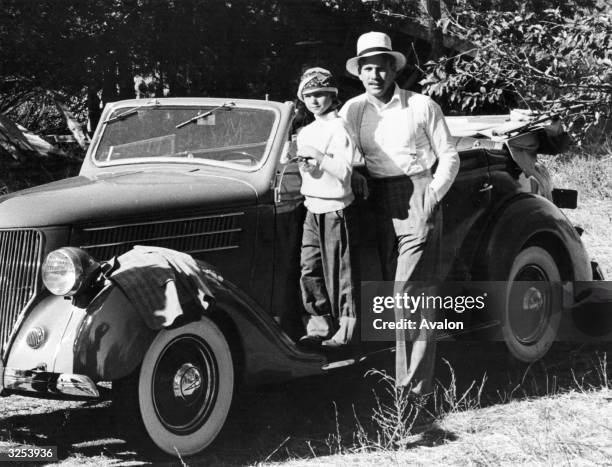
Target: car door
point(288, 225)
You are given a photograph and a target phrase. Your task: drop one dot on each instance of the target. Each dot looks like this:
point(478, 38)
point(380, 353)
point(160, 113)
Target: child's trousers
point(329, 262)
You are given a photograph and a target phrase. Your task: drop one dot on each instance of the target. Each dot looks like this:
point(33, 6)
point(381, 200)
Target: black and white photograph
point(306, 232)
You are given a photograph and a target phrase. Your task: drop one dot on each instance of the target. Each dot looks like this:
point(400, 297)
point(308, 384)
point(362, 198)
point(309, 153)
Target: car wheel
point(185, 387)
point(533, 300)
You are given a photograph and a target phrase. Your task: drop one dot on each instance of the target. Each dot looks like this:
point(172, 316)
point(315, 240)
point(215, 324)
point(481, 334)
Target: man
point(402, 135)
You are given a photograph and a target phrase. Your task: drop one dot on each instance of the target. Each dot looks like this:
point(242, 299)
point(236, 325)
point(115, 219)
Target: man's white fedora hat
point(374, 43)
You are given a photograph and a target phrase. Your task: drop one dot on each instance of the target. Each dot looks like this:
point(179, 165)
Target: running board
point(338, 364)
point(356, 359)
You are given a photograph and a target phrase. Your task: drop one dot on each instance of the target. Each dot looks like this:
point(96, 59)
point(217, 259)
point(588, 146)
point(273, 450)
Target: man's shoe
point(333, 344)
point(310, 341)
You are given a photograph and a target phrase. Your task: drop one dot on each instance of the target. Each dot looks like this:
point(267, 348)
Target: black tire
point(532, 305)
point(185, 387)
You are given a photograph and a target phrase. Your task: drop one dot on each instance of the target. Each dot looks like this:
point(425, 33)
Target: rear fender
point(524, 221)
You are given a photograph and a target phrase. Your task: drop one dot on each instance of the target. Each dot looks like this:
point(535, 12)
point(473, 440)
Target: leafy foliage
point(546, 62)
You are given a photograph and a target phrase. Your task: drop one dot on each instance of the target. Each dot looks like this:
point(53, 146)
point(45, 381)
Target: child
point(328, 259)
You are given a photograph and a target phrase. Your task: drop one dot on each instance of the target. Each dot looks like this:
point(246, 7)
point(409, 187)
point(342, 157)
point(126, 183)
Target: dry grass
point(569, 429)
point(596, 220)
point(510, 423)
point(591, 175)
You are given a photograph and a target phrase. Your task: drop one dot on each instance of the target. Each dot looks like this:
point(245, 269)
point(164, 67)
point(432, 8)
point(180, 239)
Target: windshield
point(223, 134)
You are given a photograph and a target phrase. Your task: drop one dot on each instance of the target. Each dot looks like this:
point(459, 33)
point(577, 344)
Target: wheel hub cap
point(185, 384)
point(530, 305)
point(187, 381)
point(533, 300)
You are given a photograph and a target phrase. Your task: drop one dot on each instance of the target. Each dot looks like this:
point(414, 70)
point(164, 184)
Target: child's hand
point(311, 154)
point(304, 165)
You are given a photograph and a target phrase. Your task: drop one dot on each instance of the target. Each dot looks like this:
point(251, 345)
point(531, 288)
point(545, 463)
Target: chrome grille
point(20, 260)
point(189, 235)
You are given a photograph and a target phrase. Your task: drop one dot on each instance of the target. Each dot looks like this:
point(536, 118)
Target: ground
point(555, 411)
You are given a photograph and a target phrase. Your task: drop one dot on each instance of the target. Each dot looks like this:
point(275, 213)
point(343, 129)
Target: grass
point(494, 413)
point(569, 429)
point(571, 426)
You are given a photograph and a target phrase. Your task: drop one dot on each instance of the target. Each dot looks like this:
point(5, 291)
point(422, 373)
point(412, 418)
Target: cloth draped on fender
point(163, 284)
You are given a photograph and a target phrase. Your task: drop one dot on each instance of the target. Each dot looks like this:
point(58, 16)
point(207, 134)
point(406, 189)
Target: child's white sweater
point(328, 188)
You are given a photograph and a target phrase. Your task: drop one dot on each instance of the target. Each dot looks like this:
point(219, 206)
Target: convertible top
point(498, 126)
point(521, 133)
point(521, 128)
point(476, 125)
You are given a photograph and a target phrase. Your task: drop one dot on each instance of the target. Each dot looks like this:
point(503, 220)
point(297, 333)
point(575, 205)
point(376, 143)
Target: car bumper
point(45, 384)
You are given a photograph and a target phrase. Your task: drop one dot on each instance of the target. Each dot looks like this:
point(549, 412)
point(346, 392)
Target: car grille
point(20, 261)
point(189, 235)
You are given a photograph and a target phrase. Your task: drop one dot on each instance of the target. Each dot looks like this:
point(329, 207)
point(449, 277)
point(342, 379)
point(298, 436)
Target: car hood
point(126, 195)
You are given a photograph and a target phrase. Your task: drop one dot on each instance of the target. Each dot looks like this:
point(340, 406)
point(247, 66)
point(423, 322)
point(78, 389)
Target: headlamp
point(67, 270)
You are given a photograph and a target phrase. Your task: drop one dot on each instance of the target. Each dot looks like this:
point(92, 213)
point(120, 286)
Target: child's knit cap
point(316, 79)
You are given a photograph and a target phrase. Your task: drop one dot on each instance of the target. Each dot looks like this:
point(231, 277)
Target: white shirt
point(403, 137)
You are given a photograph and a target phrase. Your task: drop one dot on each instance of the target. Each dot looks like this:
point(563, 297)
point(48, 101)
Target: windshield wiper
point(130, 112)
point(225, 105)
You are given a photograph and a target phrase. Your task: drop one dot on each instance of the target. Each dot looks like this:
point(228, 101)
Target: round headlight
point(66, 270)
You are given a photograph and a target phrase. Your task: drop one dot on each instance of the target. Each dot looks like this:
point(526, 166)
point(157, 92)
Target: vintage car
point(211, 178)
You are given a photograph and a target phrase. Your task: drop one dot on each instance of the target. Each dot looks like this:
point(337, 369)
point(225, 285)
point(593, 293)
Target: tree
point(546, 62)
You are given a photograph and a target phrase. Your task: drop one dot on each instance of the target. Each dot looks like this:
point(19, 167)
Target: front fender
point(112, 339)
point(105, 340)
point(531, 220)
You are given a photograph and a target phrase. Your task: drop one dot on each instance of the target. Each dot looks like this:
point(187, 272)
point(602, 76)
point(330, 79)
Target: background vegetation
point(472, 56)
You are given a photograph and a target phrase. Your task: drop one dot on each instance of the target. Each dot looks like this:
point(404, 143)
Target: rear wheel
point(185, 387)
point(533, 304)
